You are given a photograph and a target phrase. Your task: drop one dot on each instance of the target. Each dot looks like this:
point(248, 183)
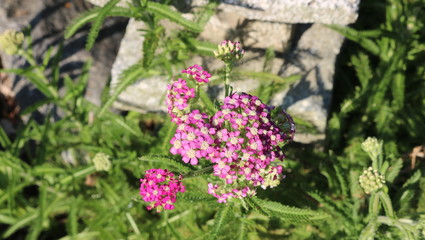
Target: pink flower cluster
point(198, 73)
point(242, 139)
point(160, 187)
point(178, 97)
point(247, 142)
point(193, 138)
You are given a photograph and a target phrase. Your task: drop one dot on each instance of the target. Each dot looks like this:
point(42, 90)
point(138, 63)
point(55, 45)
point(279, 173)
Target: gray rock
point(306, 49)
point(48, 19)
point(296, 11)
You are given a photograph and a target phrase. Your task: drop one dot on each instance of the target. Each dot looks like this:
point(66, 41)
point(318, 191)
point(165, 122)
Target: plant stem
point(227, 70)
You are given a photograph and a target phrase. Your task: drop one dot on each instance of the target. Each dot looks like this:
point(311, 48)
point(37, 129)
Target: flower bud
point(371, 180)
point(10, 41)
point(229, 51)
point(373, 147)
point(101, 162)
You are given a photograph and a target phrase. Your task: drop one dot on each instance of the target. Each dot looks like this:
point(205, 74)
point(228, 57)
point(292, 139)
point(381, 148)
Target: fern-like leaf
point(128, 77)
point(356, 36)
point(220, 221)
point(361, 65)
point(394, 170)
point(89, 16)
point(286, 213)
point(166, 160)
point(97, 24)
point(167, 12)
point(332, 207)
point(195, 197)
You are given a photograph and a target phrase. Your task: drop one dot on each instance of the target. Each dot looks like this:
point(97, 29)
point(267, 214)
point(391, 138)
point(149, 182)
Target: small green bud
point(11, 41)
point(101, 162)
point(371, 180)
point(229, 51)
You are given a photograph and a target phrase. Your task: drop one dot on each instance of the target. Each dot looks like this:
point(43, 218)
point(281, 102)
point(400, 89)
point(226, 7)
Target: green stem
point(227, 70)
point(386, 202)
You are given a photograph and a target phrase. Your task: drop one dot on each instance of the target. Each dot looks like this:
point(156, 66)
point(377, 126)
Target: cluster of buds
point(371, 180)
point(101, 162)
point(160, 188)
point(10, 41)
point(229, 51)
point(373, 147)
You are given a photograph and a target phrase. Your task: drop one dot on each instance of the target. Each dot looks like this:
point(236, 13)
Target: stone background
point(293, 28)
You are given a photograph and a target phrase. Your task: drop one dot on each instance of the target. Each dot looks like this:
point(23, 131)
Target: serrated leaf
point(356, 36)
point(394, 170)
point(89, 16)
point(220, 221)
point(98, 21)
point(129, 76)
point(39, 82)
point(167, 12)
point(286, 213)
point(166, 160)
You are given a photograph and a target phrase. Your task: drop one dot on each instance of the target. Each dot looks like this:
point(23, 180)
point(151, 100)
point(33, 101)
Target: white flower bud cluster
point(229, 51)
point(10, 41)
point(101, 162)
point(373, 147)
point(371, 180)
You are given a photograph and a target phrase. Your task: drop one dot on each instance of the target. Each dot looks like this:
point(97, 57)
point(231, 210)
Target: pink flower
point(160, 187)
point(198, 74)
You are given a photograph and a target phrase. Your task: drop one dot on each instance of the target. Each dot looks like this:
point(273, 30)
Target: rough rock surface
point(48, 19)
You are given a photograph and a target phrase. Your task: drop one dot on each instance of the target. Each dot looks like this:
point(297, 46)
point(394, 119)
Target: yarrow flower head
point(160, 188)
point(178, 97)
point(10, 41)
point(229, 51)
point(101, 162)
point(198, 74)
point(193, 138)
point(243, 139)
point(247, 142)
point(371, 180)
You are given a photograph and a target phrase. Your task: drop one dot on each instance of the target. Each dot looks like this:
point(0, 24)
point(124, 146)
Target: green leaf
point(89, 16)
point(20, 223)
point(37, 226)
point(128, 77)
point(7, 219)
point(97, 24)
point(150, 44)
point(4, 139)
point(80, 173)
point(220, 221)
point(286, 213)
point(35, 79)
point(394, 170)
point(167, 12)
point(364, 72)
point(356, 36)
point(332, 207)
point(166, 160)
point(77, 90)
